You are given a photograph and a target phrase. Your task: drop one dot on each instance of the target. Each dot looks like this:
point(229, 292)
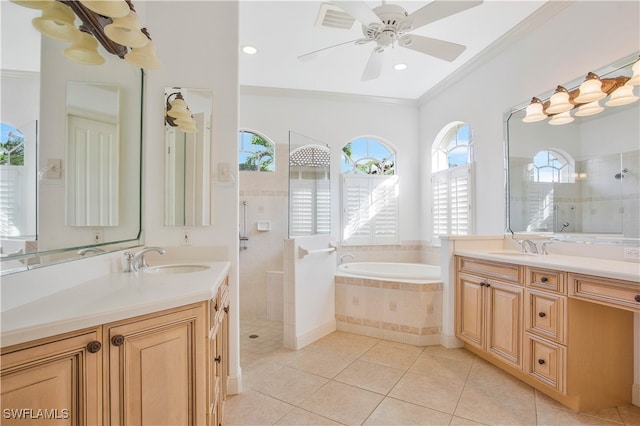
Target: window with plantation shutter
point(452, 182)
point(310, 207)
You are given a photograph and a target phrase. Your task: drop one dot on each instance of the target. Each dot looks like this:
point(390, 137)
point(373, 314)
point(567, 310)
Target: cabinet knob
point(487, 284)
point(226, 309)
point(117, 340)
point(541, 361)
point(637, 297)
point(542, 314)
point(218, 359)
point(94, 346)
point(544, 279)
point(216, 307)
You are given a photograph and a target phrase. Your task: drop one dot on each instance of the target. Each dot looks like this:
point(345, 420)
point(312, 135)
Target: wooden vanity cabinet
point(218, 362)
point(578, 352)
point(54, 381)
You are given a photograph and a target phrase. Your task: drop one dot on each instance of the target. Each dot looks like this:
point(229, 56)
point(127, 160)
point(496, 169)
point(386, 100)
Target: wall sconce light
point(585, 98)
point(111, 23)
point(177, 113)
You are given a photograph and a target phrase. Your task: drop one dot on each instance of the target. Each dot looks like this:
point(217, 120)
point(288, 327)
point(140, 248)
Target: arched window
point(451, 181)
point(369, 193)
point(550, 165)
point(256, 152)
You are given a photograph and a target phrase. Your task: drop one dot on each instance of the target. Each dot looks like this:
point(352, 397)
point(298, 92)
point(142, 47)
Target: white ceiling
point(284, 30)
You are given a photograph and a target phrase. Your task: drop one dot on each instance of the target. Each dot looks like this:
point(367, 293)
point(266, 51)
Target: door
point(470, 310)
point(504, 321)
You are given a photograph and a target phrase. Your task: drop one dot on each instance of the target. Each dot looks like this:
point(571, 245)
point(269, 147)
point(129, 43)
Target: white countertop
point(111, 297)
point(616, 269)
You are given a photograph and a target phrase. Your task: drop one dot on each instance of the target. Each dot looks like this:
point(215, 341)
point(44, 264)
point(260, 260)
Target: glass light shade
point(534, 112)
point(179, 109)
point(143, 57)
point(57, 21)
point(34, 4)
point(590, 90)
point(110, 8)
point(85, 51)
point(635, 78)
point(592, 108)
point(623, 95)
point(561, 118)
point(126, 31)
point(559, 102)
point(187, 125)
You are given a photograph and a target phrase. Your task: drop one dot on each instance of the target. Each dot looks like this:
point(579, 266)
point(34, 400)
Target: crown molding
point(20, 74)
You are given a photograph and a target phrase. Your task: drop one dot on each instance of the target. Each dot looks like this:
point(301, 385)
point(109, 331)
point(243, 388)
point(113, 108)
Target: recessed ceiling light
point(249, 50)
point(400, 67)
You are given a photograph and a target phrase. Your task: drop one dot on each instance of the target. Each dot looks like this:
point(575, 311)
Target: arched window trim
point(386, 144)
point(271, 153)
point(559, 175)
point(440, 148)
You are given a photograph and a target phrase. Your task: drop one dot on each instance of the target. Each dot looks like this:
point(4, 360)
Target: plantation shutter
point(323, 206)
point(370, 210)
point(452, 197)
point(440, 207)
point(310, 204)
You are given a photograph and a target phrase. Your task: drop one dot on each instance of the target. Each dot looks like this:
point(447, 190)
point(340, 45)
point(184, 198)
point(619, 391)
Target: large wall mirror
point(580, 180)
point(187, 157)
point(81, 132)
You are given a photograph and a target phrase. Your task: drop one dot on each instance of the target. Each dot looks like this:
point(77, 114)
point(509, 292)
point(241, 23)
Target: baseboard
point(635, 394)
point(450, 342)
point(315, 334)
point(234, 384)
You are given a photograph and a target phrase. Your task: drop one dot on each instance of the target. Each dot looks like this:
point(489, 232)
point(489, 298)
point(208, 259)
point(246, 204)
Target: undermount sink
point(175, 269)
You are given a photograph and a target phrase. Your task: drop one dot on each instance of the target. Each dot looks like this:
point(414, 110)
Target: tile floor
point(356, 380)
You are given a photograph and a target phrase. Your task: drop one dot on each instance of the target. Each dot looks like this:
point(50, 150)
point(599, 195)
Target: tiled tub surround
point(407, 251)
point(405, 311)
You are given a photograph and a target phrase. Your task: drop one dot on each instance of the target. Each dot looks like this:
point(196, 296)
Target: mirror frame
point(571, 238)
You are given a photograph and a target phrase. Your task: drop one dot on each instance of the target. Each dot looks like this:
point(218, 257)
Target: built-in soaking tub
point(401, 302)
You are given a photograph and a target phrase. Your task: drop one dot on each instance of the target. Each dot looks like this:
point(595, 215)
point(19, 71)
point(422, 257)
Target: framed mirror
point(577, 181)
point(50, 89)
point(187, 157)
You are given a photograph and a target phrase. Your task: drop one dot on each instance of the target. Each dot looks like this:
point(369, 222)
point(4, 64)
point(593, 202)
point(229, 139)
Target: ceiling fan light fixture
point(249, 50)
point(400, 67)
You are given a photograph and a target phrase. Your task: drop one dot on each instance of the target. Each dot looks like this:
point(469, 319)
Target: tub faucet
point(140, 261)
point(532, 246)
point(344, 256)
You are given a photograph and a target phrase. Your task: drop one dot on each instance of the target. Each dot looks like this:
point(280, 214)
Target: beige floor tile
point(258, 371)
point(438, 393)
point(394, 412)
point(290, 385)
point(342, 403)
point(254, 408)
point(630, 414)
point(392, 355)
point(348, 343)
point(441, 351)
point(459, 421)
point(374, 377)
point(428, 364)
point(562, 417)
point(301, 417)
point(319, 361)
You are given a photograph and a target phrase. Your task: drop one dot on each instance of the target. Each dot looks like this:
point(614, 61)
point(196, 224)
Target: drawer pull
point(218, 359)
point(542, 314)
point(544, 279)
point(94, 346)
point(117, 340)
point(541, 361)
point(637, 297)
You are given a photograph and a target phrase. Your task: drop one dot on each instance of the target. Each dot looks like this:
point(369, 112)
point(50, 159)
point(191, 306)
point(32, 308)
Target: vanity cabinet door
point(53, 382)
point(504, 321)
point(156, 369)
point(470, 310)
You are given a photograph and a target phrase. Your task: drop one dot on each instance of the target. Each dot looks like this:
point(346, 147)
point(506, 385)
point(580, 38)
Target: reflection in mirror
point(187, 156)
point(93, 147)
point(579, 179)
point(309, 186)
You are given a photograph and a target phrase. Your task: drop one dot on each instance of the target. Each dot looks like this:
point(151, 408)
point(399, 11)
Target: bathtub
point(406, 271)
point(401, 302)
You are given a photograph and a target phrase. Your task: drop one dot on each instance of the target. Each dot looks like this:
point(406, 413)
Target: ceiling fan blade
point(445, 50)
point(311, 55)
point(374, 66)
point(359, 10)
point(439, 9)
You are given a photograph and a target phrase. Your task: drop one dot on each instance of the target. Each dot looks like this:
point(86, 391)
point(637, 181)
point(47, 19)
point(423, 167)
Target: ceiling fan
point(390, 25)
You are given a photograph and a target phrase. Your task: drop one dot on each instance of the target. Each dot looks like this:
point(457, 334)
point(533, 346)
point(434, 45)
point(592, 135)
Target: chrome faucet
point(87, 250)
point(532, 246)
point(140, 261)
point(349, 255)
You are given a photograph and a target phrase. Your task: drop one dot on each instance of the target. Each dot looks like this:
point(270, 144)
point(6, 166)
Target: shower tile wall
point(266, 197)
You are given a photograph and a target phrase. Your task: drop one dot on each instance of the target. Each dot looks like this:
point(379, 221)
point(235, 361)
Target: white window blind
point(370, 210)
point(310, 207)
point(452, 197)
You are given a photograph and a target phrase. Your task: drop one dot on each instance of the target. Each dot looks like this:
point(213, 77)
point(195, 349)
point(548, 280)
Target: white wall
point(196, 53)
point(581, 37)
point(336, 121)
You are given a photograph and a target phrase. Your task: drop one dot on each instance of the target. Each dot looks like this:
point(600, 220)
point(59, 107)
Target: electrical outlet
point(98, 236)
point(632, 253)
point(185, 238)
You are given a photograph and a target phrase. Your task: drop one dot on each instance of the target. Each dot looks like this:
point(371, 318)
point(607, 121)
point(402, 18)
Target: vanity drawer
point(606, 291)
point(545, 361)
point(545, 315)
point(503, 271)
point(545, 279)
